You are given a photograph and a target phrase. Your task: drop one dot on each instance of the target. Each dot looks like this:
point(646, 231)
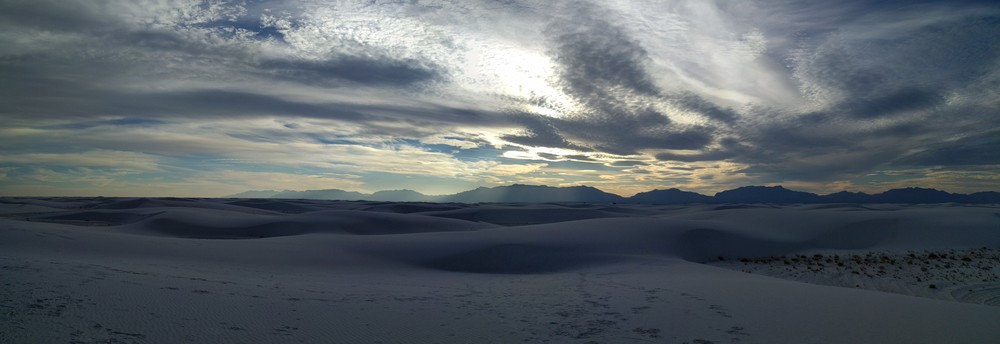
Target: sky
point(211, 98)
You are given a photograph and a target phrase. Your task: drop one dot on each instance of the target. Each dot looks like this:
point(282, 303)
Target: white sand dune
point(169, 270)
point(207, 223)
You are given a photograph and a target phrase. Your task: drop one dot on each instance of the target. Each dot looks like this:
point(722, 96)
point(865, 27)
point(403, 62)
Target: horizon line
point(508, 185)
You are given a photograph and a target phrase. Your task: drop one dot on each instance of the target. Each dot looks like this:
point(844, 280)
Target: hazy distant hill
point(323, 194)
point(399, 196)
point(519, 193)
point(255, 194)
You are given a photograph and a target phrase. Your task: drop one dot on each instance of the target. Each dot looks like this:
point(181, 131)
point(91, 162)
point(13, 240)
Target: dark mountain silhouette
point(255, 194)
point(917, 195)
point(669, 196)
point(323, 194)
point(519, 193)
point(764, 194)
point(983, 197)
point(534, 194)
point(398, 196)
point(847, 197)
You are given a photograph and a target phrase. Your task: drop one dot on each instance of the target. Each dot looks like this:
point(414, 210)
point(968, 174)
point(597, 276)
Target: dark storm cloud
point(628, 163)
point(226, 104)
point(578, 157)
point(825, 147)
point(593, 54)
point(807, 147)
point(604, 69)
point(703, 156)
point(80, 75)
point(630, 141)
point(540, 131)
point(907, 69)
point(729, 147)
point(696, 103)
point(36, 97)
point(243, 104)
point(981, 149)
point(362, 70)
point(87, 100)
point(816, 148)
point(120, 122)
point(607, 134)
point(548, 156)
point(895, 102)
point(889, 87)
point(47, 90)
point(52, 15)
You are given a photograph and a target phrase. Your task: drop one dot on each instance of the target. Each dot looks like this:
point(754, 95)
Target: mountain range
point(519, 193)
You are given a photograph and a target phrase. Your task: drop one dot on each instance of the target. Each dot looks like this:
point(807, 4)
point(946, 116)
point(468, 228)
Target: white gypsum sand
point(84, 270)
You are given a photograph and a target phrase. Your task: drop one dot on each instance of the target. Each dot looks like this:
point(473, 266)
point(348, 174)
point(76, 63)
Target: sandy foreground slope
point(286, 271)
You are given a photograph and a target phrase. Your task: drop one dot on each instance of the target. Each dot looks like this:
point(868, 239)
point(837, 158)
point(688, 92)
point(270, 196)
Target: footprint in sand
point(648, 332)
point(692, 297)
point(640, 309)
point(284, 330)
point(720, 311)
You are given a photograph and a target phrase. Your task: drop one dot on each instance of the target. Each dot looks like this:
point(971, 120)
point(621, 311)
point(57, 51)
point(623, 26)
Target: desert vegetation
point(967, 275)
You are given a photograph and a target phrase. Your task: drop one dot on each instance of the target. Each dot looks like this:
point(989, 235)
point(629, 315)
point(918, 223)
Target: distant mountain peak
point(525, 193)
point(669, 196)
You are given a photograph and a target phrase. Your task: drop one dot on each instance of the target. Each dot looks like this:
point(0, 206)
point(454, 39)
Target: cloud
point(694, 102)
point(594, 55)
point(703, 156)
point(238, 181)
point(700, 94)
point(96, 158)
point(621, 110)
point(982, 149)
point(180, 60)
point(355, 69)
point(514, 169)
point(880, 87)
point(898, 54)
point(540, 131)
point(57, 15)
point(895, 102)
